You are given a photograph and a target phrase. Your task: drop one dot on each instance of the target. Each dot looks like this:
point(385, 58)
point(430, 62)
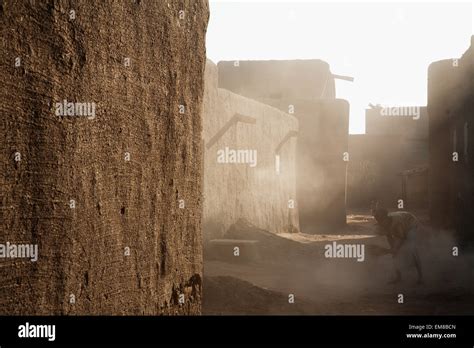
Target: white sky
point(385, 46)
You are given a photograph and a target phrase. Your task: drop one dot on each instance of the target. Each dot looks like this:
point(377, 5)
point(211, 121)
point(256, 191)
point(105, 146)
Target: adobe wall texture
point(306, 90)
point(442, 77)
point(321, 169)
point(120, 205)
point(238, 190)
point(451, 129)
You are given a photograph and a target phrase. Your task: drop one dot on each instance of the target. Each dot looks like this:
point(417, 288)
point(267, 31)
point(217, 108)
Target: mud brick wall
point(416, 188)
point(305, 89)
point(233, 191)
point(463, 127)
point(113, 201)
point(442, 77)
point(278, 79)
point(392, 144)
point(451, 129)
point(407, 127)
point(373, 170)
point(321, 169)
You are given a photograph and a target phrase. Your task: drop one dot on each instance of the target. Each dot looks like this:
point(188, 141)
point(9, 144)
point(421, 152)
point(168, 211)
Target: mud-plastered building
point(287, 111)
point(389, 162)
point(451, 112)
point(101, 156)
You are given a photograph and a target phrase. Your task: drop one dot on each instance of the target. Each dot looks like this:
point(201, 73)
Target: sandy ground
point(342, 286)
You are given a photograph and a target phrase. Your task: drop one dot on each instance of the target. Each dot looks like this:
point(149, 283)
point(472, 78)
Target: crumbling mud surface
point(113, 201)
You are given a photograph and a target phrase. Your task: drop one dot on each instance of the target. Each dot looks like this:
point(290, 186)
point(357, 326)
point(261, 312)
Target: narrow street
point(335, 286)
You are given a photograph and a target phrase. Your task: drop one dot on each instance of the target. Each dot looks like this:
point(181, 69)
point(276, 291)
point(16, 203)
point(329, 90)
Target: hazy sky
point(386, 47)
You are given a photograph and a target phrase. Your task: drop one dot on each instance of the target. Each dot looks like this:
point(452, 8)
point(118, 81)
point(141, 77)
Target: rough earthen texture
point(232, 296)
point(118, 203)
point(451, 129)
point(233, 191)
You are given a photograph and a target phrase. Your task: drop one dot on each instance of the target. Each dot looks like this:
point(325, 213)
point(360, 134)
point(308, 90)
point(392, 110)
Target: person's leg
point(397, 264)
point(419, 270)
point(412, 244)
point(397, 278)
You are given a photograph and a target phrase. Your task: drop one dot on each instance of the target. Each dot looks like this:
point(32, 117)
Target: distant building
point(451, 130)
point(305, 89)
point(309, 79)
point(396, 141)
